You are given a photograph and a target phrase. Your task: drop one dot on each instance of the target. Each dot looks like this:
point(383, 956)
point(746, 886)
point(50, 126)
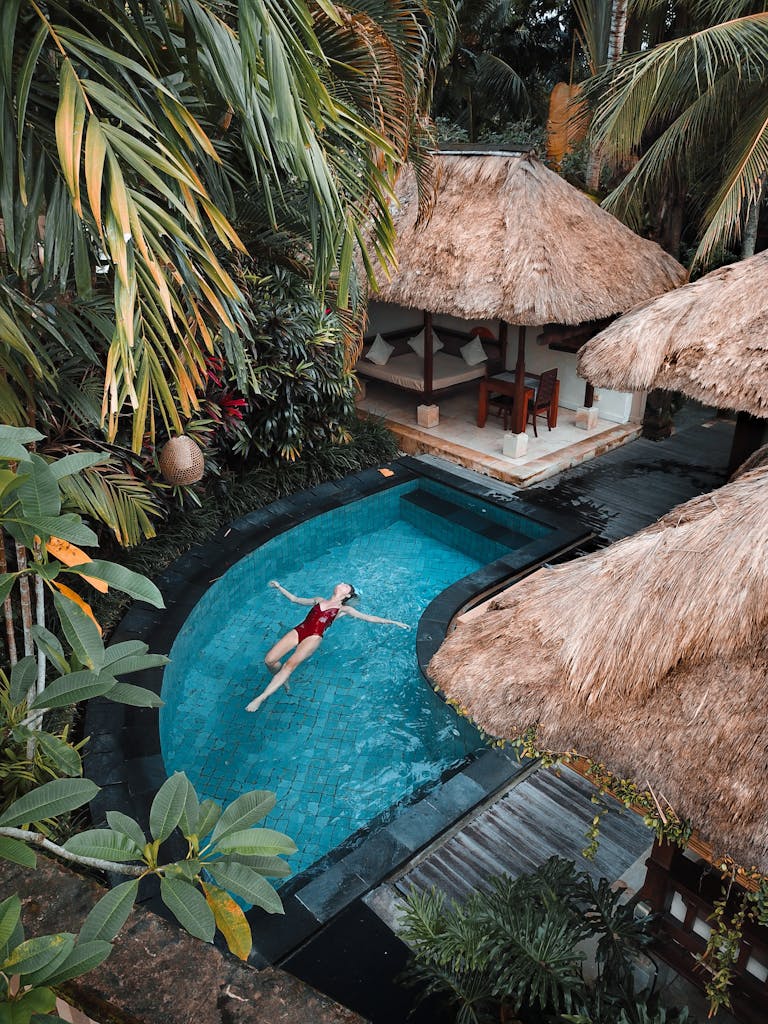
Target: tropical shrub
point(517, 950)
point(158, 159)
point(69, 663)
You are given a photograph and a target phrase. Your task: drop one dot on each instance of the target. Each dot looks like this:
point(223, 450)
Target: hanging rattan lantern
point(181, 461)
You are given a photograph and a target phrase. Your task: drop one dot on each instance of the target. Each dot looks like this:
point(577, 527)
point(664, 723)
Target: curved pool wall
point(124, 753)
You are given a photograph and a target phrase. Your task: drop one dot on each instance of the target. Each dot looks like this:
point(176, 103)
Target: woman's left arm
point(374, 618)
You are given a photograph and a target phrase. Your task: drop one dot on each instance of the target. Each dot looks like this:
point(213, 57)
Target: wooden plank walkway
point(630, 487)
point(546, 814)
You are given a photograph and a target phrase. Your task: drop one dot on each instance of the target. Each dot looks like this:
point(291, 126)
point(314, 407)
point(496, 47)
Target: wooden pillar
point(429, 357)
point(519, 410)
point(657, 887)
point(750, 434)
point(503, 343)
point(589, 396)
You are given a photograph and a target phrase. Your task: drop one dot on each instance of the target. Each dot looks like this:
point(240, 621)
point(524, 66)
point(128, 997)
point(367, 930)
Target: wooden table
point(503, 384)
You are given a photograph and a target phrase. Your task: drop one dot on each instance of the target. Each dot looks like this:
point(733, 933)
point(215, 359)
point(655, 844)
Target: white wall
point(615, 406)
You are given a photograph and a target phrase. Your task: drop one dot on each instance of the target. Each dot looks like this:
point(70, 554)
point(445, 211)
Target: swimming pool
point(360, 730)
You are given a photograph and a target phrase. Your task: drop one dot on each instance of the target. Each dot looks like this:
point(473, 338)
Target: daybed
point(446, 369)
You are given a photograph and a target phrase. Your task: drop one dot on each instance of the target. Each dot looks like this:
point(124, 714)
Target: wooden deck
point(546, 814)
point(632, 486)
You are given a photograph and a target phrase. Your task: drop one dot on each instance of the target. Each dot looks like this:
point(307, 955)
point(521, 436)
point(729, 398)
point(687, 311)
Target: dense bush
point(516, 952)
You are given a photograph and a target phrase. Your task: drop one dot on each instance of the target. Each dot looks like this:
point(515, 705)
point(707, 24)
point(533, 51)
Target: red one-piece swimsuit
point(316, 622)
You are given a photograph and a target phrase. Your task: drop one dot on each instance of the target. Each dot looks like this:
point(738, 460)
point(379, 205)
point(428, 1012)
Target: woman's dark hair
point(353, 594)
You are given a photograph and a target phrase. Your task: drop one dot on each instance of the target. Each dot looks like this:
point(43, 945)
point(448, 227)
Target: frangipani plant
point(225, 853)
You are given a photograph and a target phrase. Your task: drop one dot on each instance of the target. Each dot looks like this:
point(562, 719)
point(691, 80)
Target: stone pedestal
point(428, 415)
point(515, 445)
point(586, 417)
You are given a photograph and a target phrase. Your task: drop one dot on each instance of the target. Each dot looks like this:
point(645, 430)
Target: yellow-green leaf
point(70, 118)
point(230, 920)
point(95, 152)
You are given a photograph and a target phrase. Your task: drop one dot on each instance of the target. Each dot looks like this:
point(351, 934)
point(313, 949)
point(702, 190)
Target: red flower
point(232, 407)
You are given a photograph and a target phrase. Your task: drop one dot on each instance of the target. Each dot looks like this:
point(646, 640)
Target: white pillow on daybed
point(380, 351)
point(417, 343)
point(473, 352)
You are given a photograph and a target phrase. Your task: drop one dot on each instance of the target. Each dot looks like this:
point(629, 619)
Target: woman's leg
point(281, 648)
point(305, 649)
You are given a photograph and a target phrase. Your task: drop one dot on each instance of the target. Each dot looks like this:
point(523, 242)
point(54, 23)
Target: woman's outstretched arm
point(292, 597)
point(373, 618)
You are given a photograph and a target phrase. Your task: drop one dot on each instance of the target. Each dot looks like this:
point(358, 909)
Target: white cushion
point(473, 352)
point(417, 343)
point(380, 351)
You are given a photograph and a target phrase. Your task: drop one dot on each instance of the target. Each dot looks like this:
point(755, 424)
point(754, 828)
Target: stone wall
point(157, 974)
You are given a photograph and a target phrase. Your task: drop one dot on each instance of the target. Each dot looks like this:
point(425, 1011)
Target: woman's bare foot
point(255, 704)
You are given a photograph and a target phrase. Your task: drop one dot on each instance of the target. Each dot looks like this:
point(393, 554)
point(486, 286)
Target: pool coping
point(123, 755)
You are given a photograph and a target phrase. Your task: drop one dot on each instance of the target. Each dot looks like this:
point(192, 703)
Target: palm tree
point(114, 122)
point(601, 30)
point(478, 81)
point(695, 109)
point(131, 134)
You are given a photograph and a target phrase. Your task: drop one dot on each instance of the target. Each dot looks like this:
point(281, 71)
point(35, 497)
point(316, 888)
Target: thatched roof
point(509, 239)
point(708, 340)
point(649, 656)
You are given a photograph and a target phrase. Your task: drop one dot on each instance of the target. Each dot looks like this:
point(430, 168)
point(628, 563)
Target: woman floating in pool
point(307, 635)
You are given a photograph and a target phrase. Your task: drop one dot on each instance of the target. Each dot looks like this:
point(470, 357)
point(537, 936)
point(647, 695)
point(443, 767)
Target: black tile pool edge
point(123, 754)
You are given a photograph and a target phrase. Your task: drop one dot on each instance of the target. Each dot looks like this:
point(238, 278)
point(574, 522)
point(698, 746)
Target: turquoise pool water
point(360, 730)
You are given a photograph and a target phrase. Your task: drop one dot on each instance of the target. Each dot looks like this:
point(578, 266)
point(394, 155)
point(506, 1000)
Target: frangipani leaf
point(117, 576)
point(49, 800)
point(243, 812)
point(17, 853)
point(134, 696)
point(81, 632)
point(104, 844)
point(110, 913)
point(120, 822)
point(167, 807)
point(247, 883)
point(260, 841)
point(23, 676)
point(230, 920)
point(189, 907)
point(83, 958)
point(73, 688)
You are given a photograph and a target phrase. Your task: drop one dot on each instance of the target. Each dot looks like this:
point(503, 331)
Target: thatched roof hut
point(708, 339)
point(649, 657)
point(510, 240)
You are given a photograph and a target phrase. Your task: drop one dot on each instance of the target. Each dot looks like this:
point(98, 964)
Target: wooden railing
point(683, 892)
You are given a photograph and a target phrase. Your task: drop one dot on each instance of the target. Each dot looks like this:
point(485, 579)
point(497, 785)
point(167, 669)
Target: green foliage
point(694, 108)
point(39, 964)
point(296, 387)
point(517, 948)
point(76, 665)
point(525, 134)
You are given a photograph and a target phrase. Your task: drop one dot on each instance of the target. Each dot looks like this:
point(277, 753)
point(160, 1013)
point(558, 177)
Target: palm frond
point(745, 164)
point(115, 498)
point(494, 76)
point(650, 88)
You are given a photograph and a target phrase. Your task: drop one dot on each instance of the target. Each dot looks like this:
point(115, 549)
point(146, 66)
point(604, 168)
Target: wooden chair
point(542, 403)
point(503, 404)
